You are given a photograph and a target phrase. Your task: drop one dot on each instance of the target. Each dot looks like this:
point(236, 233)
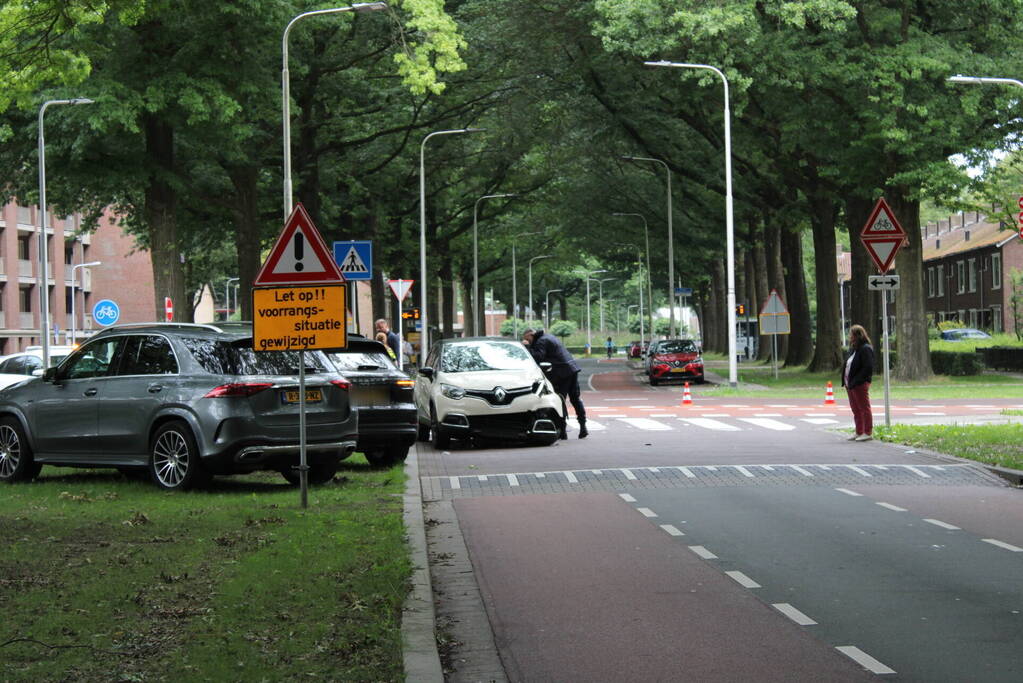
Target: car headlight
point(451, 391)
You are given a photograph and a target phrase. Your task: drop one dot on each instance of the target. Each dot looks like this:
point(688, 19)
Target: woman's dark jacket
point(862, 366)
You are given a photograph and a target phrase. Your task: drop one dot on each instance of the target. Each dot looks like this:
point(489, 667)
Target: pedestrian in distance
point(610, 347)
point(382, 338)
point(856, 375)
point(564, 374)
point(393, 342)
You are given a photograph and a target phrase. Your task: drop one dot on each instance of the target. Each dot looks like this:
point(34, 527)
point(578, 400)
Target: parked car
point(638, 349)
point(383, 395)
point(964, 333)
point(17, 367)
point(180, 401)
point(674, 359)
point(485, 387)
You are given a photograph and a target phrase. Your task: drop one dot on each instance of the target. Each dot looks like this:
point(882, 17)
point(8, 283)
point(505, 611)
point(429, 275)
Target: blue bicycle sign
point(105, 312)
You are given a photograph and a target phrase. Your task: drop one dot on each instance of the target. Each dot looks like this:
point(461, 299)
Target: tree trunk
point(245, 214)
point(828, 350)
point(161, 221)
point(776, 275)
point(864, 305)
point(448, 299)
point(468, 320)
point(762, 292)
point(911, 306)
point(800, 343)
point(377, 295)
point(720, 329)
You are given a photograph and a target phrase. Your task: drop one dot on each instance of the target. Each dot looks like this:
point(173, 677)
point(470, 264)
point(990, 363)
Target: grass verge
point(993, 444)
point(108, 579)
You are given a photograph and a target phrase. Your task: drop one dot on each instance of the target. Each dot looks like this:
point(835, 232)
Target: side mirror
point(426, 372)
point(48, 375)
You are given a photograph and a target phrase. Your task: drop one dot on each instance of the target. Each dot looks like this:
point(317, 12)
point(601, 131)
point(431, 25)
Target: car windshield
point(974, 334)
point(238, 358)
point(362, 360)
point(475, 356)
point(677, 346)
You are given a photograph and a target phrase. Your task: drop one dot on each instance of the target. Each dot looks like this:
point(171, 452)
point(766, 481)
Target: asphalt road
point(736, 541)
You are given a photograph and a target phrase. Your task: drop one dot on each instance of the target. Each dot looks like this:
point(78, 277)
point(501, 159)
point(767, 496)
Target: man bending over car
point(564, 373)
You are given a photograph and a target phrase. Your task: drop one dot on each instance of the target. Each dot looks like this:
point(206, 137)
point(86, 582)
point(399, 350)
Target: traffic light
point(740, 309)
point(410, 314)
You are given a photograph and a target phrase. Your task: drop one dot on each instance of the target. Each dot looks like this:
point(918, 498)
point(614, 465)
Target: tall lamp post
point(547, 304)
point(671, 244)
point(424, 343)
point(649, 282)
point(535, 258)
point(476, 261)
point(44, 258)
point(733, 370)
point(589, 329)
point(73, 316)
point(286, 84)
point(600, 295)
point(515, 292)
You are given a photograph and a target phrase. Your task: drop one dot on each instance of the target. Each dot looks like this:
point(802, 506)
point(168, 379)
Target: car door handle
point(91, 392)
point(155, 388)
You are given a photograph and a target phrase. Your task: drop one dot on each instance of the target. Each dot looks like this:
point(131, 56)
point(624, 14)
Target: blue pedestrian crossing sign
point(354, 258)
point(106, 312)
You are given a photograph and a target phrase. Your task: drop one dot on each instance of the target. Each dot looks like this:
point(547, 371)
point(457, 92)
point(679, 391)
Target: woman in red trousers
point(856, 375)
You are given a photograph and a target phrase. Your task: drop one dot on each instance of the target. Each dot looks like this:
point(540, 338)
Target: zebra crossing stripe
point(768, 423)
point(708, 423)
point(645, 424)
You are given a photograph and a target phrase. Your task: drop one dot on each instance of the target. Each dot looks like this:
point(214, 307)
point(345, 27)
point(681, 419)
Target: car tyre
point(654, 381)
point(440, 439)
point(319, 474)
point(174, 462)
point(424, 432)
point(387, 457)
point(16, 462)
point(701, 379)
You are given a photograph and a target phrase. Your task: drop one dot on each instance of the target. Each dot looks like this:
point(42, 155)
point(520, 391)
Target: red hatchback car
point(675, 359)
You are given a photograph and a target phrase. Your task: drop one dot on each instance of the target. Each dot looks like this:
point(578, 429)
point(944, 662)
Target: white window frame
point(941, 279)
point(961, 316)
point(971, 272)
point(930, 283)
point(996, 271)
point(996, 319)
point(973, 318)
point(960, 277)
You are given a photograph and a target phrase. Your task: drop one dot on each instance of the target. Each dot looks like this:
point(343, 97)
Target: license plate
point(311, 396)
point(678, 369)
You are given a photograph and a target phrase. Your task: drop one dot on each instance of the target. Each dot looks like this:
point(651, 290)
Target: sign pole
point(303, 465)
point(401, 339)
point(774, 354)
point(884, 332)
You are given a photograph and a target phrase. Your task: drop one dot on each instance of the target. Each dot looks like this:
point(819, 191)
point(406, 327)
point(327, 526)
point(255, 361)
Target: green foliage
point(562, 328)
point(994, 444)
point(511, 324)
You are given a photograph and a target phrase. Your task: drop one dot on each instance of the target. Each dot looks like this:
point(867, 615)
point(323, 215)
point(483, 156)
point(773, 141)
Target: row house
point(968, 265)
point(124, 276)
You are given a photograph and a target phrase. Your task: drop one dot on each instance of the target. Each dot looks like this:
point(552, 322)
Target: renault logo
point(500, 394)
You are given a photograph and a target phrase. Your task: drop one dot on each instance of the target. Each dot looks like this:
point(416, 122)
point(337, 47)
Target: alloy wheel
point(171, 458)
point(10, 451)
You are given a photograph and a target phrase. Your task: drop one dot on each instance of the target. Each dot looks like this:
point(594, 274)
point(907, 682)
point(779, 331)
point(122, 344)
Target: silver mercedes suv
point(181, 401)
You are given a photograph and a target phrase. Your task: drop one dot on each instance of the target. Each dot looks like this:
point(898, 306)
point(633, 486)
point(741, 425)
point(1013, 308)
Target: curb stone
point(419, 642)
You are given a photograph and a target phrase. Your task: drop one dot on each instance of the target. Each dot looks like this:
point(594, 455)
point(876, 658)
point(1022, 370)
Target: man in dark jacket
point(393, 340)
point(564, 373)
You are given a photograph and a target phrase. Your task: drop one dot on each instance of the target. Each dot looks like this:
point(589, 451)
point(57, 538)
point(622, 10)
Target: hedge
point(1002, 357)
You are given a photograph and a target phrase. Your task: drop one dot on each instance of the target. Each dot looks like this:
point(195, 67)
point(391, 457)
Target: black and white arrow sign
point(883, 282)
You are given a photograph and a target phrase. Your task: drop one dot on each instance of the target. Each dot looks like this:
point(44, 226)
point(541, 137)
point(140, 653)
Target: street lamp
point(535, 258)
point(649, 283)
point(476, 261)
point(671, 244)
point(227, 297)
point(73, 316)
point(515, 292)
point(424, 339)
point(600, 295)
point(44, 276)
point(547, 304)
point(589, 345)
point(286, 85)
point(733, 371)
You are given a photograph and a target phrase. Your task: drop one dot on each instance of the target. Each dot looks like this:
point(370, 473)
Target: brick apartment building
point(125, 276)
point(968, 262)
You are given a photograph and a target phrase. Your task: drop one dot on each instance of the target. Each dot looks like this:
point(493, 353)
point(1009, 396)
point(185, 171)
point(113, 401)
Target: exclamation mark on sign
point(299, 248)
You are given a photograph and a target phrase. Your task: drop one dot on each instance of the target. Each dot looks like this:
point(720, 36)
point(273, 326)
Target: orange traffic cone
point(829, 397)
point(687, 399)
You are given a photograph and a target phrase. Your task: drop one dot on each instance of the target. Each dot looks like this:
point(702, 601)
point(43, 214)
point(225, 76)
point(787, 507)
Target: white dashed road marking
point(1003, 544)
point(626, 497)
point(456, 483)
point(743, 471)
point(672, 530)
point(571, 477)
point(743, 580)
point(848, 492)
point(628, 474)
point(645, 424)
point(703, 552)
point(794, 614)
point(804, 472)
point(646, 512)
point(863, 659)
point(943, 525)
point(707, 423)
point(819, 420)
point(896, 508)
point(768, 423)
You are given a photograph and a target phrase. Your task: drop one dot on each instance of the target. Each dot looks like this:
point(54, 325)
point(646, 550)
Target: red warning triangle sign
point(299, 256)
point(882, 222)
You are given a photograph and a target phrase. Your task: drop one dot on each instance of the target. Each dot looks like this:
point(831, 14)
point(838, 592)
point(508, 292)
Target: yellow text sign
point(299, 318)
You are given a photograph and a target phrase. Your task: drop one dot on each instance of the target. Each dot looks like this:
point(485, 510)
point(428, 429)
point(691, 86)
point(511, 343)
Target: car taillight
point(237, 389)
point(341, 384)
